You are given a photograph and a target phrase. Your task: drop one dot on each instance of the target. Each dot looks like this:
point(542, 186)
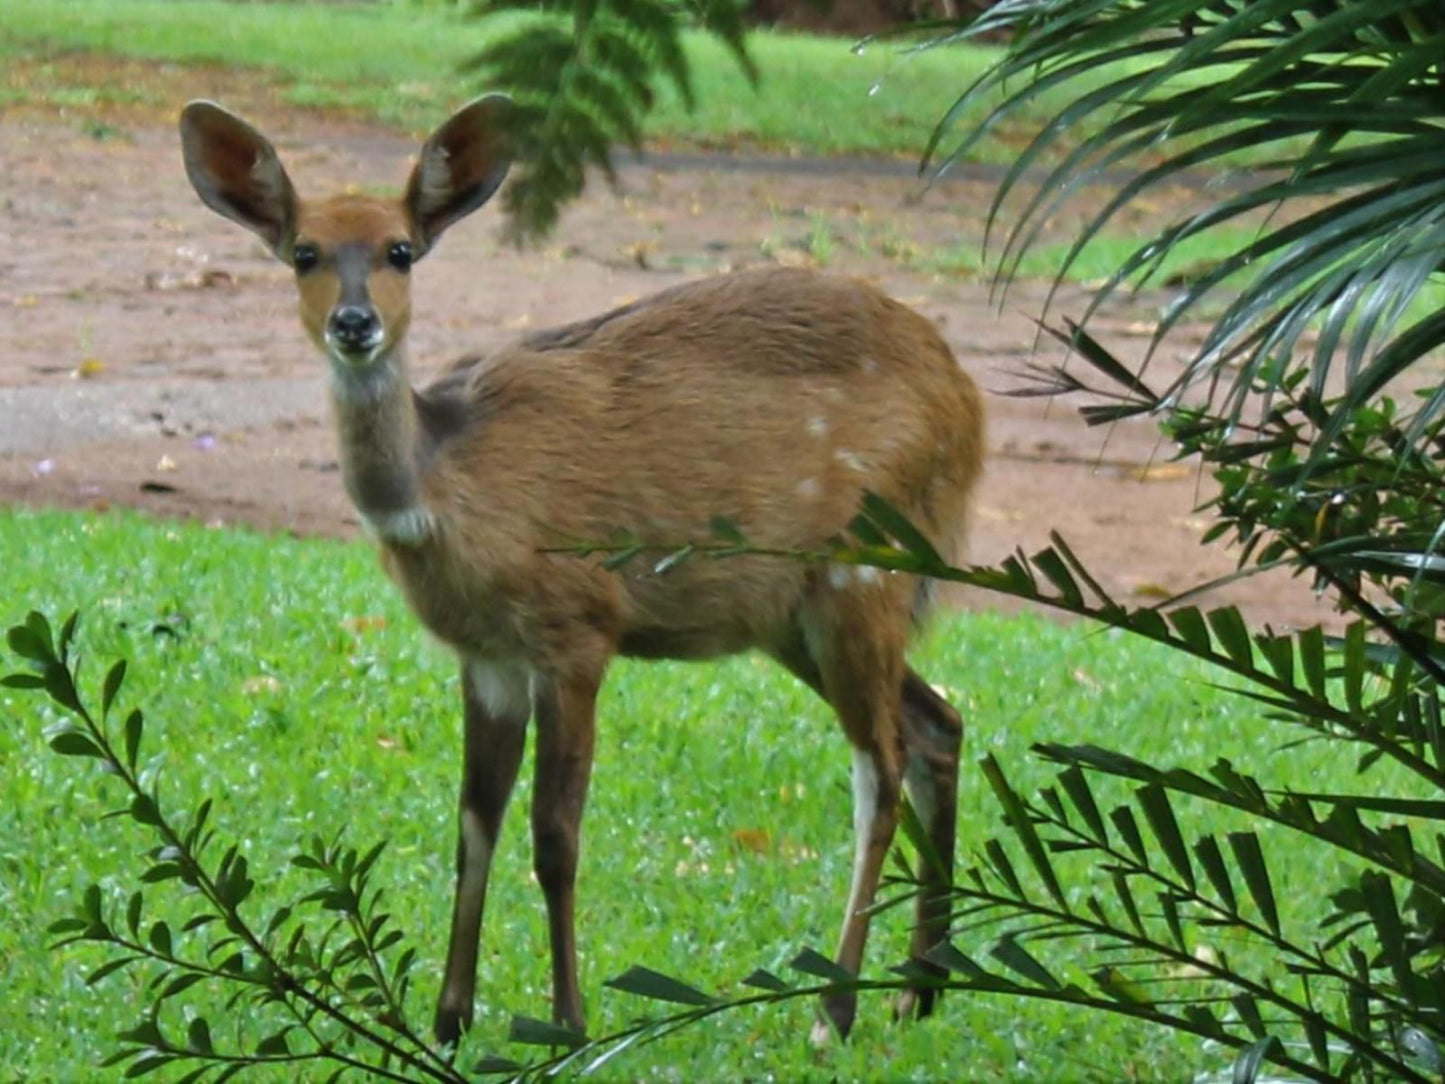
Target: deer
point(776, 398)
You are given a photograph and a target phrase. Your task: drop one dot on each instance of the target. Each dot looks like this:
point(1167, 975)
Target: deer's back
point(773, 399)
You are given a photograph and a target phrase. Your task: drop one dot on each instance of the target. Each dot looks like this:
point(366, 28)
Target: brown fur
point(565, 443)
point(774, 398)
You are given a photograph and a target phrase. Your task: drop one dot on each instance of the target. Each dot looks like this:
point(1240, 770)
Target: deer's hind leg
point(854, 660)
point(932, 735)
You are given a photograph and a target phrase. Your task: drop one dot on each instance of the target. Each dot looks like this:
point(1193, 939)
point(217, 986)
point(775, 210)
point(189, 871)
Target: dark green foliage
point(582, 74)
point(1348, 96)
point(327, 979)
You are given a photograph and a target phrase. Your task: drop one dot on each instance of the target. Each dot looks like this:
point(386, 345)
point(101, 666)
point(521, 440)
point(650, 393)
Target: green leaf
point(160, 938)
point(67, 633)
point(1075, 785)
point(1128, 829)
point(672, 560)
point(114, 679)
point(180, 984)
point(1312, 659)
point(1248, 1010)
point(1019, 820)
point(134, 726)
point(524, 1029)
point(1208, 853)
point(132, 914)
point(947, 956)
point(727, 530)
point(647, 983)
point(1016, 958)
point(492, 1065)
point(888, 517)
point(146, 1033)
point(32, 641)
point(143, 810)
point(148, 1063)
point(1250, 859)
point(1119, 986)
point(274, 1045)
point(1126, 900)
point(1169, 907)
point(60, 687)
point(1154, 800)
point(812, 962)
point(1232, 635)
point(90, 905)
point(198, 1036)
point(621, 558)
point(75, 743)
point(22, 681)
point(109, 968)
point(1355, 666)
point(161, 871)
point(765, 980)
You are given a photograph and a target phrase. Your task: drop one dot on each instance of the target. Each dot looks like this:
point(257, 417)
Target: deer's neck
point(377, 421)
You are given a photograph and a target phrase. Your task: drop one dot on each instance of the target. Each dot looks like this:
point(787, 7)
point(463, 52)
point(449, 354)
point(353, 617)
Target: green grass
point(267, 693)
point(400, 64)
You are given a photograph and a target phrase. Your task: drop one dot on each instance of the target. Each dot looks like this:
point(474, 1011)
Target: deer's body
point(647, 420)
point(774, 399)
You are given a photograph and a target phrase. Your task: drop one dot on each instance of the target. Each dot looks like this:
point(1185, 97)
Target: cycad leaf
point(647, 983)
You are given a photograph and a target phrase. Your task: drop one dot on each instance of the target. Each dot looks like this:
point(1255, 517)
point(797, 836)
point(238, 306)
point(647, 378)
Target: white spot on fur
point(818, 426)
point(504, 688)
point(850, 459)
point(868, 365)
point(402, 527)
point(808, 488)
point(842, 577)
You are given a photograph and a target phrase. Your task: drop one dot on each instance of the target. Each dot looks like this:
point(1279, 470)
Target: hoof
point(449, 1026)
point(834, 1022)
point(913, 1004)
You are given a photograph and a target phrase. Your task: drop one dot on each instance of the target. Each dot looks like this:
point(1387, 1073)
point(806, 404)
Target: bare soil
point(150, 356)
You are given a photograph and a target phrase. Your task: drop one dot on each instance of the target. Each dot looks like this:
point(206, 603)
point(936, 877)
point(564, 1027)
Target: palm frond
point(1337, 104)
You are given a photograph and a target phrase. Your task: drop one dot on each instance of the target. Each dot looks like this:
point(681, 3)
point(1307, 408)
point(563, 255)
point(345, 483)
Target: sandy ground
point(150, 356)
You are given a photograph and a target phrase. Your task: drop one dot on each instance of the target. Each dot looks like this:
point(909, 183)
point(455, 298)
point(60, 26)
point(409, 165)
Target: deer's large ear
point(459, 168)
point(236, 172)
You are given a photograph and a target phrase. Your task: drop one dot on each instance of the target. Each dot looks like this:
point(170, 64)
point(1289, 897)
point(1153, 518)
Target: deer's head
point(352, 254)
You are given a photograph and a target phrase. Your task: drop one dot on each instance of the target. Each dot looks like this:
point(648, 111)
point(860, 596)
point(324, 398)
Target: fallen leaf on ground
point(757, 840)
point(1153, 590)
point(363, 623)
point(1163, 472)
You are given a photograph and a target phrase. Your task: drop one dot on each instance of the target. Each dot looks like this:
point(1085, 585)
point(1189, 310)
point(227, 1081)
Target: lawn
point(397, 62)
point(283, 677)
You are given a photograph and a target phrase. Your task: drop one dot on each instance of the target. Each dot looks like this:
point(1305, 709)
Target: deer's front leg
point(498, 703)
point(565, 739)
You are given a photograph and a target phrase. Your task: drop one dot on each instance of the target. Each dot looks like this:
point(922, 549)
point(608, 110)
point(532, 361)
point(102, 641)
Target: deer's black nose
point(354, 325)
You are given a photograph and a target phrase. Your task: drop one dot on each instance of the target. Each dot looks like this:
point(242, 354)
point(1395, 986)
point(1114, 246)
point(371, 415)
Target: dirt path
point(149, 355)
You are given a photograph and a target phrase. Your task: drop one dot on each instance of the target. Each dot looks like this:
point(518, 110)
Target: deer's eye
point(304, 258)
point(400, 256)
